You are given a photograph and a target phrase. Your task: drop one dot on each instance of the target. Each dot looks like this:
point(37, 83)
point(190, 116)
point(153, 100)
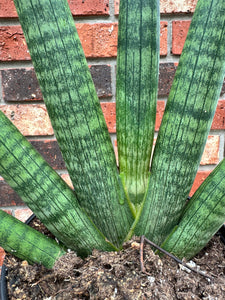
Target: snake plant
point(146, 194)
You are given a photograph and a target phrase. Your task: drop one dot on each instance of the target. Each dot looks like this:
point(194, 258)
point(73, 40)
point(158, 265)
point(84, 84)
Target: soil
point(118, 275)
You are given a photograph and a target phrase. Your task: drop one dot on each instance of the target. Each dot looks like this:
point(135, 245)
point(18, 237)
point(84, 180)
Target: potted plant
point(108, 206)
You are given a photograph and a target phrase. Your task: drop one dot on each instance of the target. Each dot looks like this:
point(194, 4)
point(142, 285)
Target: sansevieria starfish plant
point(147, 194)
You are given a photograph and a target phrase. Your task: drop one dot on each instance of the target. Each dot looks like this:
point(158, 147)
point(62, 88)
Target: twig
point(143, 270)
point(143, 239)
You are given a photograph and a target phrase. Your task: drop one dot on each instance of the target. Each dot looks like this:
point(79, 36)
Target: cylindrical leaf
point(203, 216)
point(26, 243)
point(136, 92)
point(186, 121)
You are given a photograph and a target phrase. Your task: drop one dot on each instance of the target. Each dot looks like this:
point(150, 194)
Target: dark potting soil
point(117, 275)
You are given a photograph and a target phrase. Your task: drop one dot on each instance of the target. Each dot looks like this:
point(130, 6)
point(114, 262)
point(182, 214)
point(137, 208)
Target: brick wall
point(96, 21)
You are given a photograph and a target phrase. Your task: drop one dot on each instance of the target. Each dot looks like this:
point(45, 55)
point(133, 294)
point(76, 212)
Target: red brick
point(159, 113)
point(211, 152)
point(2, 256)
point(89, 7)
point(200, 177)
point(109, 111)
point(219, 118)
point(98, 40)
point(163, 38)
point(7, 9)
point(169, 7)
point(78, 8)
point(29, 119)
point(12, 44)
point(180, 30)
point(23, 214)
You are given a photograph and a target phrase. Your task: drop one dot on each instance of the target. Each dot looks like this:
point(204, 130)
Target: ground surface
point(118, 276)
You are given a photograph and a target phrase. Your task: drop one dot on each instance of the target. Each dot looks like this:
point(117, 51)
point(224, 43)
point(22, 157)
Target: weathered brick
point(12, 44)
point(177, 6)
point(169, 7)
point(166, 76)
point(89, 7)
point(30, 119)
point(101, 75)
point(50, 151)
point(179, 34)
point(8, 196)
point(200, 177)
point(211, 152)
point(163, 38)
point(78, 8)
point(23, 214)
point(22, 85)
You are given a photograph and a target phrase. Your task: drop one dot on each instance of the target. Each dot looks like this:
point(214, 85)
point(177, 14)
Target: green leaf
point(47, 195)
point(26, 243)
point(203, 216)
point(75, 113)
point(186, 122)
point(136, 92)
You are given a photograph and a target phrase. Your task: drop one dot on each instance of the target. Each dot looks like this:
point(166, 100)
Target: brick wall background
point(96, 22)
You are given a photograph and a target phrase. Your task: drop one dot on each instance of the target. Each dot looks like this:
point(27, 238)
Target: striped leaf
point(47, 195)
point(203, 216)
point(75, 113)
point(186, 122)
point(136, 92)
point(26, 243)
